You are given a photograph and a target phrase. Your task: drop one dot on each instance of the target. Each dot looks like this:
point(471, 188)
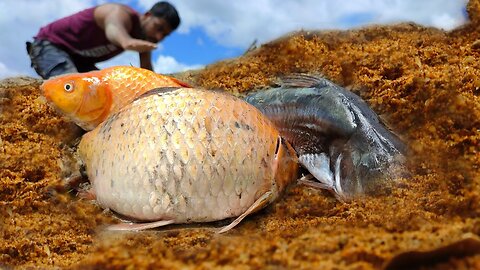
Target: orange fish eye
point(68, 87)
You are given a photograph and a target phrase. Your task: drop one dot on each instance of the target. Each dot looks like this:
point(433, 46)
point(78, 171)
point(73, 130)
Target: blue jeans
point(50, 60)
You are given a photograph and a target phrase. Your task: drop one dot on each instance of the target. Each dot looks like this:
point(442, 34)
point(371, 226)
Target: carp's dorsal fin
point(303, 80)
point(156, 91)
point(181, 83)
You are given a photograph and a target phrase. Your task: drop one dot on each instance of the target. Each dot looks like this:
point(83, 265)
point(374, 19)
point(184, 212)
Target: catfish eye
point(68, 87)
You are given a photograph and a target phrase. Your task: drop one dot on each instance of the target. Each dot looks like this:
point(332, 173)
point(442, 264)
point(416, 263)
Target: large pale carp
point(181, 155)
point(337, 137)
point(89, 98)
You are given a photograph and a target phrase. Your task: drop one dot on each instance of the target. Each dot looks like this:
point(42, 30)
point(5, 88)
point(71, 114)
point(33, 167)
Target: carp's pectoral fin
point(130, 226)
point(87, 194)
point(257, 205)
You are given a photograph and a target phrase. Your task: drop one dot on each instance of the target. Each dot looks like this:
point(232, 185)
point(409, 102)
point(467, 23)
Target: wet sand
point(424, 82)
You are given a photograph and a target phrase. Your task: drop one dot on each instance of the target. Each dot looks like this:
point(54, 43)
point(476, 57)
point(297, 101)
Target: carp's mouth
point(48, 98)
point(57, 109)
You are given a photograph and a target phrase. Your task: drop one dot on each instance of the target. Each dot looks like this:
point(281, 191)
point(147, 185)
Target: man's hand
point(138, 45)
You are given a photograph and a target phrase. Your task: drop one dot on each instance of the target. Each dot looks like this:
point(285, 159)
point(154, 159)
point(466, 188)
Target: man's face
point(155, 28)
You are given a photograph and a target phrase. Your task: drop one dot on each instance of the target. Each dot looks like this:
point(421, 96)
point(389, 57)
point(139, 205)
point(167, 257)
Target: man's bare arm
point(116, 22)
point(146, 60)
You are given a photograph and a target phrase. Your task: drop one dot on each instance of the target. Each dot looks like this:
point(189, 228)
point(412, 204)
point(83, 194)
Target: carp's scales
point(181, 155)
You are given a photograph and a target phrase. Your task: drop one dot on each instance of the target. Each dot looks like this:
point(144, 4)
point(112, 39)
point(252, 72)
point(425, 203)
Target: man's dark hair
point(168, 12)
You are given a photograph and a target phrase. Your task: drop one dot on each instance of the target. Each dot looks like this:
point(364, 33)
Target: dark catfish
point(338, 138)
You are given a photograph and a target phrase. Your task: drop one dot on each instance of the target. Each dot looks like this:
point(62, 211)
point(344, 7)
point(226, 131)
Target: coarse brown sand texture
point(424, 82)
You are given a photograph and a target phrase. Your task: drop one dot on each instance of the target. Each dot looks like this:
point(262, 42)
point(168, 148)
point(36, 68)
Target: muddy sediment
point(424, 82)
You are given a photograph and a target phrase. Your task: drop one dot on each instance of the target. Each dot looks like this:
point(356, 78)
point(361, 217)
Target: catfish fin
point(130, 226)
point(319, 166)
point(307, 181)
point(304, 81)
point(257, 205)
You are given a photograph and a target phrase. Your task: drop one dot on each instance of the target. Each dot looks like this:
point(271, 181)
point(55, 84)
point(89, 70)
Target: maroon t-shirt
point(81, 37)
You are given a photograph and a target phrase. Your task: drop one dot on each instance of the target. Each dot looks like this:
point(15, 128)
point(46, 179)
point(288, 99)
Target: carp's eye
point(68, 87)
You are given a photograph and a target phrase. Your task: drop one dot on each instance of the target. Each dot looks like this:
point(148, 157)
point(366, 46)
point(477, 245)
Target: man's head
point(159, 21)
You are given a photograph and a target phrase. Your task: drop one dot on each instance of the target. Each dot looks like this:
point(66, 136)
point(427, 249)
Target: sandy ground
point(425, 82)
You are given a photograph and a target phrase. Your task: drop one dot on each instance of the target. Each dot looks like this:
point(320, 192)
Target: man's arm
point(146, 60)
point(116, 22)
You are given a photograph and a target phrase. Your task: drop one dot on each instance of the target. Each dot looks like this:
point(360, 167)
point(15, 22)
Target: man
point(75, 43)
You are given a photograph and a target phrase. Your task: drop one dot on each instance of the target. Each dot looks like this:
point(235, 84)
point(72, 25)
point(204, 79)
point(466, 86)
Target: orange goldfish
point(89, 98)
point(186, 155)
